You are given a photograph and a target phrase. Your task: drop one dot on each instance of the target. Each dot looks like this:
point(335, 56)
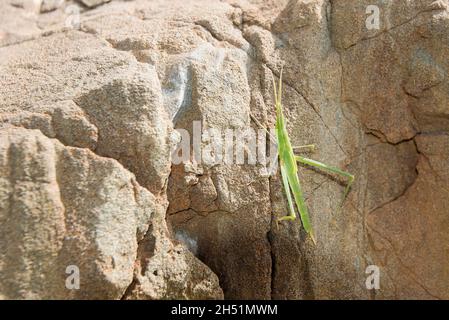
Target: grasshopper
point(288, 161)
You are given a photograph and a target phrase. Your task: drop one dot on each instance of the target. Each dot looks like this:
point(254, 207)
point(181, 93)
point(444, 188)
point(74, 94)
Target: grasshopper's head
point(278, 96)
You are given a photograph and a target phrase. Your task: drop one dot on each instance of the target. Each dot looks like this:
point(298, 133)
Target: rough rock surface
point(81, 199)
point(88, 106)
point(65, 206)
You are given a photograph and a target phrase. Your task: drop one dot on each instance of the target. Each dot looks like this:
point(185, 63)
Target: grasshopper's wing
point(291, 208)
point(299, 200)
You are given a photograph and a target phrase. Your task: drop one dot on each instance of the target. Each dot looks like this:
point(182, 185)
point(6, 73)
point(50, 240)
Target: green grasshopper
point(289, 168)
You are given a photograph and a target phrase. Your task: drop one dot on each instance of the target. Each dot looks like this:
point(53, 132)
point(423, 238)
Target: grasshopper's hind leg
point(291, 208)
point(323, 166)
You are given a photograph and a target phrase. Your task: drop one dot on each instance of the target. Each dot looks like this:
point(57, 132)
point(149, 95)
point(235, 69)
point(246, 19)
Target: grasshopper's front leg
point(311, 147)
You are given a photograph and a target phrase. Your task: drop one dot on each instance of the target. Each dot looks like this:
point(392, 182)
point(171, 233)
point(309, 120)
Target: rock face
point(55, 204)
point(65, 206)
point(85, 161)
point(89, 101)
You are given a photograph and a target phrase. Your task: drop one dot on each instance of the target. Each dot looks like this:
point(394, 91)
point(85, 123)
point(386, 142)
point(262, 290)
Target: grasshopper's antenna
point(280, 85)
point(274, 89)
